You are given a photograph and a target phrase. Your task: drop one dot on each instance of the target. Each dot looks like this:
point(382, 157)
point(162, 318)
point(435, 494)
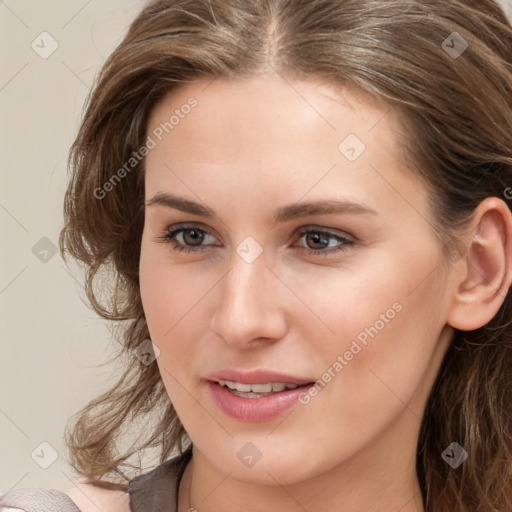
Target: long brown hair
point(444, 65)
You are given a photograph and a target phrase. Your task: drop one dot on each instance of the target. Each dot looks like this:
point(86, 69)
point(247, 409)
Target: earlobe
point(487, 267)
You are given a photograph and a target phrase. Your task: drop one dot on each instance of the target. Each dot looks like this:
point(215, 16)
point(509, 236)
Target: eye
point(320, 240)
point(190, 238)
point(186, 238)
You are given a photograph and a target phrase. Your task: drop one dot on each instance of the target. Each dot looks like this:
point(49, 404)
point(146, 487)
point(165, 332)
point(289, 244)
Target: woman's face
point(300, 244)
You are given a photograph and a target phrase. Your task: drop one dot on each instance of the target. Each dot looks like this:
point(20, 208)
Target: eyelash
point(169, 236)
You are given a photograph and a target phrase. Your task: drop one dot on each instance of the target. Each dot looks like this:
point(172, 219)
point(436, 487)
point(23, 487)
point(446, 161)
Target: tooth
point(269, 387)
point(262, 388)
point(251, 395)
point(245, 388)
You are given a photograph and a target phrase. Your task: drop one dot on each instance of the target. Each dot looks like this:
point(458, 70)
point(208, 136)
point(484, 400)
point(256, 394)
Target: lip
point(261, 409)
point(255, 410)
point(257, 377)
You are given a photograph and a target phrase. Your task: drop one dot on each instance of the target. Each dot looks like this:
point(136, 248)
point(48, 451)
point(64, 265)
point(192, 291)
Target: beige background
point(50, 340)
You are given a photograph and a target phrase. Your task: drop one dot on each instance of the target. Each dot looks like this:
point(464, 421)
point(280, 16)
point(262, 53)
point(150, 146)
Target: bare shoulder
point(89, 498)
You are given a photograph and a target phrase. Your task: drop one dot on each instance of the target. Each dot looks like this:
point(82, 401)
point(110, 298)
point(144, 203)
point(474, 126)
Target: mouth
point(256, 402)
point(244, 390)
point(256, 395)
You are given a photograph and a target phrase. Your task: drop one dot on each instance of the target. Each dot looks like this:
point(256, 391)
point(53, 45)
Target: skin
point(246, 149)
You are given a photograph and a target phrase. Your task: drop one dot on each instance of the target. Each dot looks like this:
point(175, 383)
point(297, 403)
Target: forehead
point(237, 119)
point(306, 135)
point(270, 88)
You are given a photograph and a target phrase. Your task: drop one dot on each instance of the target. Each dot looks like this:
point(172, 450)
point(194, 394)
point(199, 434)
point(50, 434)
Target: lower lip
point(255, 409)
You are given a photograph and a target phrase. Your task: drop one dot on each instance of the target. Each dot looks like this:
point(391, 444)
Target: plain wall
point(50, 340)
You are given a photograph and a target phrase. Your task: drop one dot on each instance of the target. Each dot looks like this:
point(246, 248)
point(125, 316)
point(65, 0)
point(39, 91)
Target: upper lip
point(257, 377)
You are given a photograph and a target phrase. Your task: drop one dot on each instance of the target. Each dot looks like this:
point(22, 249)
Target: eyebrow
point(283, 214)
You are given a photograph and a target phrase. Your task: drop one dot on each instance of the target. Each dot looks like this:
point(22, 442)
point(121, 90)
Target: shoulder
point(37, 499)
point(89, 498)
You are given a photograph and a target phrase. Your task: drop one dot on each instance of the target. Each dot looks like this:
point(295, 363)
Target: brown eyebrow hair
point(283, 214)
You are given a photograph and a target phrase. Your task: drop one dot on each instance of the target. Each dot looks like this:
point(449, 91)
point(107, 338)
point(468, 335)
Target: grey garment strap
point(157, 490)
point(38, 500)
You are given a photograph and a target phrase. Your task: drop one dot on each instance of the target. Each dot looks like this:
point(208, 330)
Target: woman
point(306, 206)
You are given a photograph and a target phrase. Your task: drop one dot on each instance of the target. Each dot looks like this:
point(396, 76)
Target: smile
point(255, 402)
point(256, 390)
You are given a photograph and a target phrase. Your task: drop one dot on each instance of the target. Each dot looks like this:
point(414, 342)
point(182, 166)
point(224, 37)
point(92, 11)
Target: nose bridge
point(248, 306)
point(246, 284)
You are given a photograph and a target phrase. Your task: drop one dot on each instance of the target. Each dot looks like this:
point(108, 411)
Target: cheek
point(387, 338)
point(170, 300)
point(169, 291)
point(385, 319)
point(174, 298)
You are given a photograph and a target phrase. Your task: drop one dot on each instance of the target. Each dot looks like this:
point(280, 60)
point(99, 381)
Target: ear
point(486, 274)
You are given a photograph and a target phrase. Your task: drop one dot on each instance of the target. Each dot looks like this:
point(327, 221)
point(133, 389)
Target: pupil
point(316, 238)
point(195, 236)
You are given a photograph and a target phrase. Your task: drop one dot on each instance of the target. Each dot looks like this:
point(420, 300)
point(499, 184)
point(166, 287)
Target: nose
point(250, 310)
